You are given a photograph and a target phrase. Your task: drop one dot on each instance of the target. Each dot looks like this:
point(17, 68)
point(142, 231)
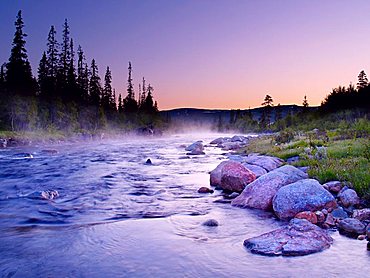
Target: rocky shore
point(311, 210)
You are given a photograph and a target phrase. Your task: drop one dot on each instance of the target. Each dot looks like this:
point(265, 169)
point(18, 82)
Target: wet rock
point(196, 152)
point(215, 175)
point(234, 177)
point(227, 146)
point(211, 223)
point(148, 162)
point(23, 155)
point(219, 140)
point(300, 196)
point(3, 143)
point(368, 232)
point(299, 238)
point(259, 193)
point(308, 215)
point(195, 146)
point(361, 237)
point(205, 190)
point(351, 227)
point(333, 186)
point(238, 138)
point(232, 195)
point(349, 197)
point(368, 246)
point(50, 152)
point(339, 213)
point(267, 162)
point(257, 170)
point(46, 195)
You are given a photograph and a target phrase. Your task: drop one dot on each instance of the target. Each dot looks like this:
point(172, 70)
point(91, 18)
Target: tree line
point(68, 93)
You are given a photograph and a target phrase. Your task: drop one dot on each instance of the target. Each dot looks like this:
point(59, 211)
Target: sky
point(218, 54)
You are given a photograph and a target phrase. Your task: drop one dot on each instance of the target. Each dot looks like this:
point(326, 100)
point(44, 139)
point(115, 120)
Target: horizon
point(286, 50)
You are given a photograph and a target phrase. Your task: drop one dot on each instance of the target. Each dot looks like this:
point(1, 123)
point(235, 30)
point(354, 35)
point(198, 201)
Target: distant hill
point(212, 116)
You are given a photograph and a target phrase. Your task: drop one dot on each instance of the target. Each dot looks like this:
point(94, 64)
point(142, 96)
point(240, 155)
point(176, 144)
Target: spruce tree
point(64, 62)
point(107, 95)
point(19, 78)
point(362, 80)
point(129, 103)
point(82, 77)
point(120, 104)
point(305, 102)
point(95, 89)
point(71, 86)
point(43, 76)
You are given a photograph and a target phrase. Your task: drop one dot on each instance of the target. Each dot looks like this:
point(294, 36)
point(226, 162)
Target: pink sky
point(210, 54)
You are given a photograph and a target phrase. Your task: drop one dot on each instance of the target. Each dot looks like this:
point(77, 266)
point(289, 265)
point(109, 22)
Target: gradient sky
point(209, 53)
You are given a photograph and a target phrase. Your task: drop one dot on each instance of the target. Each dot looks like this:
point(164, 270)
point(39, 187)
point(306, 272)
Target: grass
point(347, 160)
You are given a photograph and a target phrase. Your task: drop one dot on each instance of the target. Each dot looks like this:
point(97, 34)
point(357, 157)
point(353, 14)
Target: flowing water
point(116, 216)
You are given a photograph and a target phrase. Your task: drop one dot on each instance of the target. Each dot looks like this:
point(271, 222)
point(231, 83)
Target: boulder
point(349, 197)
point(231, 145)
point(234, 177)
point(220, 140)
point(361, 214)
point(333, 186)
point(267, 162)
point(259, 193)
point(198, 145)
point(299, 238)
point(308, 215)
point(303, 195)
point(215, 175)
point(257, 170)
point(205, 190)
point(238, 138)
point(351, 227)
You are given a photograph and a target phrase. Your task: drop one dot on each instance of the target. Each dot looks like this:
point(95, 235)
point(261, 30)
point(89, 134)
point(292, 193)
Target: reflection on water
point(115, 215)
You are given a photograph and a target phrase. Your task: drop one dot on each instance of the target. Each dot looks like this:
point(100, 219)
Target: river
point(116, 216)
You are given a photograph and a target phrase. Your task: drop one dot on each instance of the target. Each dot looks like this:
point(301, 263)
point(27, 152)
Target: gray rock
point(299, 238)
point(220, 140)
point(259, 193)
point(351, 227)
point(349, 197)
point(339, 213)
point(304, 168)
point(238, 138)
point(257, 170)
point(293, 159)
point(361, 214)
point(303, 195)
point(333, 186)
point(211, 223)
point(195, 146)
point(148, 162)
point(267, 162)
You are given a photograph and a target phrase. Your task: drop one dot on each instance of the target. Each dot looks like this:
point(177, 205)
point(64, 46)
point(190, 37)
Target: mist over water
point(97, 209)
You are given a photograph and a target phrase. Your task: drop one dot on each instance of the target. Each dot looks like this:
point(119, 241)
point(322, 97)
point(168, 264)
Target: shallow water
point(115, 216)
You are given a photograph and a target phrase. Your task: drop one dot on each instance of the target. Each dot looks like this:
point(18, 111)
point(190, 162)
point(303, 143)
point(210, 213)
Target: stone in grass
point(351, 227)
point(333, 186)
point(298, 238)
point(211, 223)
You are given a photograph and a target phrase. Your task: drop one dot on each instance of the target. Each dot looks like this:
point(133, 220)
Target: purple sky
point(209, 53)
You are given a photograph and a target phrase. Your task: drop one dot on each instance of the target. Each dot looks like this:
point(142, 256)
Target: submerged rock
point(259, 193)
point(49, 151)
point(211, 223)
point(205, 190)
point(349, 198)
point(46, 195)
point(234, 177)
point(303, 195)
point(351, 227)
point(298, 238)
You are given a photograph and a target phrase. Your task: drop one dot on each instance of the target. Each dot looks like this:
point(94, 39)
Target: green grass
point(348, 160)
